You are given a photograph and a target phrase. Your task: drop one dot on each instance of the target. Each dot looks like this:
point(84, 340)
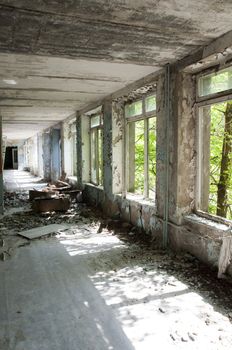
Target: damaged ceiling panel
point(135, 31)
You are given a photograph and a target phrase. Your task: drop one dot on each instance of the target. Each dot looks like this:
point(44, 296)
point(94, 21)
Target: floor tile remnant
point(42, 231)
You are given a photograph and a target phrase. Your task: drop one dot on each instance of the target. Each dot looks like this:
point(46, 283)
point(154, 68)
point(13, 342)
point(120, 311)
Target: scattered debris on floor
point(133, 272)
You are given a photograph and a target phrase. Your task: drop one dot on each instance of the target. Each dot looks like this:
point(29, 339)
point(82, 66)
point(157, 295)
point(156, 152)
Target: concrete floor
point(19, 180)
point(82, 290)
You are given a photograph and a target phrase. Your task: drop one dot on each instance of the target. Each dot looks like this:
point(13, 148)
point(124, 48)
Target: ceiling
point(58, 56)
point(36, 91)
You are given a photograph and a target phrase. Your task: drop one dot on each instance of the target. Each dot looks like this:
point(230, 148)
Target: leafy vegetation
point(220, 191)
point(139, 156)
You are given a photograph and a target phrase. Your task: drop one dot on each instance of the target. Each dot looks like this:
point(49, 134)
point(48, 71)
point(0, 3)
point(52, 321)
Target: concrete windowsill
point(89, 184)
point(132, 197)
point(72, 178)
point(206, 226)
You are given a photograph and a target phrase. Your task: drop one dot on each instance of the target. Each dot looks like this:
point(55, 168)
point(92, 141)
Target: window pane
point(95, 121)
point(215, 82)
point(100, 156)
point(150, 103)
point(216, 190)
point(133, 109)
point(74, 146)
point(93, 157)
point(152, 156)
point(139, 157)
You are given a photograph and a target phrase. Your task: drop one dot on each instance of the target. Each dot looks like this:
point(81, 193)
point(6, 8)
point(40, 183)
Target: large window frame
point(206, 100)
point(96, 149)
point(129, 120)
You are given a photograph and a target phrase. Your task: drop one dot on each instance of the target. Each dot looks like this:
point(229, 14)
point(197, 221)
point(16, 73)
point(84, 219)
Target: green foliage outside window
point(139, 156)
point(221, 160)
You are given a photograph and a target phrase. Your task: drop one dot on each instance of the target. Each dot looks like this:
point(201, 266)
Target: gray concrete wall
point(55, 154)
point(47, 155)
point(79, 150)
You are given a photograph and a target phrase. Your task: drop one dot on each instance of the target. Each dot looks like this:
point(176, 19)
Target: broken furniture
point(51, 204)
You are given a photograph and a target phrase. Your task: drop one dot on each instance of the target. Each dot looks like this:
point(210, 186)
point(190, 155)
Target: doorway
point(11, 158)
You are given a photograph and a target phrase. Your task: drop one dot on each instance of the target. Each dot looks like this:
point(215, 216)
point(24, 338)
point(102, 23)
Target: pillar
point(1, 170)
point(107, 148)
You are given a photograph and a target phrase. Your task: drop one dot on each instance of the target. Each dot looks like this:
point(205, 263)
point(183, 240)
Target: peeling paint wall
point(47, 155)
point(78, 150)
point(183, 150)
point(66, 148)
point(117, 145)
point(55, 154)
point(107, 148)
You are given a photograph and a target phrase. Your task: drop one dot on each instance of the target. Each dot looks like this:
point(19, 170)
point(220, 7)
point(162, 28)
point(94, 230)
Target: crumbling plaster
point(183, 149)
point(120, 30)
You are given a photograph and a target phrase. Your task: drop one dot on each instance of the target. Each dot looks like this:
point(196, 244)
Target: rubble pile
point(15, 199)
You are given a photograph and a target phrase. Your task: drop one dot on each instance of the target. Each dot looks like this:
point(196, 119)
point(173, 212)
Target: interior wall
point(186, 231)
point(55, 154)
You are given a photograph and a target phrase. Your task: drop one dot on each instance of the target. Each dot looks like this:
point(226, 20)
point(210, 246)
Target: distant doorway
point(11, 158)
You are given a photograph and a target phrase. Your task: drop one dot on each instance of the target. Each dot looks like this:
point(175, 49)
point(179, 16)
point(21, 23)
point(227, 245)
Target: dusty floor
point(96, 286)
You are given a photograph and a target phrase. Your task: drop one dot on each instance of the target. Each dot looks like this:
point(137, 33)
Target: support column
point(107, 148)
point(183, 145)
point(47, 155)
point(117, 146)
point(55, 154)
point(79, 150)
point(85, 148)
point(1, 171)
point(160, 147)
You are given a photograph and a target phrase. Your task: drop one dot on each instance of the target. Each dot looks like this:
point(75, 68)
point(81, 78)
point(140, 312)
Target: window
point(215, 82)
point(215, 146)
point(96, 149)
point(141, 146)
point(73, 142)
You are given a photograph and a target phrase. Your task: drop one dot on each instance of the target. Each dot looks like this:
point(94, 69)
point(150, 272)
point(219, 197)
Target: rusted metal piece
point(51, 204)
point(40, 194)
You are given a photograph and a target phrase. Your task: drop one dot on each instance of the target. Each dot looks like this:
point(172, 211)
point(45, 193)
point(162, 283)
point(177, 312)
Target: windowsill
point(139, 199)
point(100, 187)
point(206, 226)
point(72, 178)
point(214, 218)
